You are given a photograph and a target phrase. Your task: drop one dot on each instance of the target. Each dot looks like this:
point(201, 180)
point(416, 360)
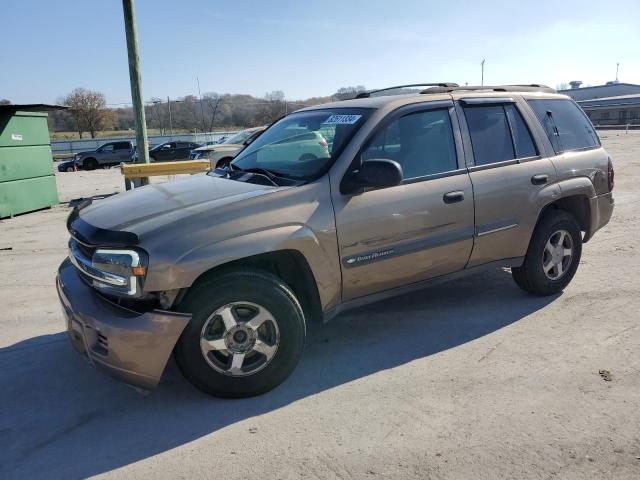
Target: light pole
point(156, 103)
point(136, 84)
point(170, 122)
point(482, 73)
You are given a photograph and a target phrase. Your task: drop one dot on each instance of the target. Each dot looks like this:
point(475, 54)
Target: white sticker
point(342, 119)
point(16, 136)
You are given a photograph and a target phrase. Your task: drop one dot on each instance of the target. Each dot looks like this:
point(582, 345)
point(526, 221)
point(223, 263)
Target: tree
point(89, 111)
point(346, 93)
point(272, 108)
point(4, 101)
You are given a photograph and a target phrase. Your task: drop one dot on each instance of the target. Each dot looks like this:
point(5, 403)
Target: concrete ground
point(471, 379)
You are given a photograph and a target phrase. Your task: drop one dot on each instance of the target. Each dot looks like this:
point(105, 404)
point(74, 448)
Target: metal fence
point(75, 146)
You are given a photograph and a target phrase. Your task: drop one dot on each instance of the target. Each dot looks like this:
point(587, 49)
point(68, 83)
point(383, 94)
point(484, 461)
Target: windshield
point(239, 138)
point(303, 145)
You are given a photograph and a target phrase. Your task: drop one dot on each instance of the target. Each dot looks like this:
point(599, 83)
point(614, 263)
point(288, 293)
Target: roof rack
point(532, 87)
point(437, 85)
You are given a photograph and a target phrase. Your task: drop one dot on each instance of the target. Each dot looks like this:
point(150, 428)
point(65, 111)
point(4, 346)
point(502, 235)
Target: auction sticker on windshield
point(342, 119)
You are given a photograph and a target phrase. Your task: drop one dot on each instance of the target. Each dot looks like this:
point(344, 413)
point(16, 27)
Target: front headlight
point(125, 265)
point(114, 271)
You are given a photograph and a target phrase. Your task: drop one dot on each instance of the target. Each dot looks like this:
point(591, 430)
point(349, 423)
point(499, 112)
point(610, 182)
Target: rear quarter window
point(566, 125)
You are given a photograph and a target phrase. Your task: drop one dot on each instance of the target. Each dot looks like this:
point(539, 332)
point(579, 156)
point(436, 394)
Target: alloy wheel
point(557, 255)
point(239, 338)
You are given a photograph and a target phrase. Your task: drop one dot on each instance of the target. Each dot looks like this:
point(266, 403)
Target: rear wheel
point(246, 335)
point(553, 256)
point(90, 164)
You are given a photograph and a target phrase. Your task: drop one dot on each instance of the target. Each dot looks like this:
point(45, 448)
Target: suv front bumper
point(133, 347)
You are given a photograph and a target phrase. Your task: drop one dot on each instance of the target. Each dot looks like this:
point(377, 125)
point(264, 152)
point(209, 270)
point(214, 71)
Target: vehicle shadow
point(60, 416)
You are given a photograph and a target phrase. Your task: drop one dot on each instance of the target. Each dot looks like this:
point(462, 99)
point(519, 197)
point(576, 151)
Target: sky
point(310, 48)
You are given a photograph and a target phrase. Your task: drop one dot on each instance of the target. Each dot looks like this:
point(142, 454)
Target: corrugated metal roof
point(618, 101)
point(30, 107)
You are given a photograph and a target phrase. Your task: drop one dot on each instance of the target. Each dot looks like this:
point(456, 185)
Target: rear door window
point(490, 134)
point(498, 134)
point(521, 134)
point(566, 125)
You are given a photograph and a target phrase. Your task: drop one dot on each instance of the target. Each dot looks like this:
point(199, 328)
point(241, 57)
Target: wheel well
point(576, 205)
point(289, 265)
point(223, 160)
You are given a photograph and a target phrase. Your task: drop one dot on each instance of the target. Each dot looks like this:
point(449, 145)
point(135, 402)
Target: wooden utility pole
point(136, 84)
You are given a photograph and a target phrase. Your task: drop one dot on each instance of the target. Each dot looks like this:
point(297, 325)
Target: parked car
point(226, 270)
point(221, 154)
point(67, 166)
point(170, 151)
point(110, 153)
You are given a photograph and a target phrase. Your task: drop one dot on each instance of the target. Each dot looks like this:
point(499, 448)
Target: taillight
point(610, 174)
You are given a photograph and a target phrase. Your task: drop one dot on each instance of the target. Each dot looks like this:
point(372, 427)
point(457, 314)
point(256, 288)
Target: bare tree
point(89, 111)
point(346, 93)
point(4, 101)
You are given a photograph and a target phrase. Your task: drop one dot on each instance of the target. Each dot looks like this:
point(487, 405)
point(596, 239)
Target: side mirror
point(379, 173)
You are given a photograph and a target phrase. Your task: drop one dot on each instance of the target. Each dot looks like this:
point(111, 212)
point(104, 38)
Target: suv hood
point(87, 152)
point(149, 208)
point(218, 148)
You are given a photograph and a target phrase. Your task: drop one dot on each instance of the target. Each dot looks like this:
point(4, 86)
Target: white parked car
point(222, 153)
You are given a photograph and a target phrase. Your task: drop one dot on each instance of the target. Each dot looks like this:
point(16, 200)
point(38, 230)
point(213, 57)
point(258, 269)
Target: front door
point(419, 229)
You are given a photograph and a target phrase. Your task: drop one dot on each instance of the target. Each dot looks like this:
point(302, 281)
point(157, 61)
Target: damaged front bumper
point(134, 347)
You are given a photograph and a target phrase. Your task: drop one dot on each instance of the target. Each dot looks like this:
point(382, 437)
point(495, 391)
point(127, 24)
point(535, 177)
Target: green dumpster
point(27, 181)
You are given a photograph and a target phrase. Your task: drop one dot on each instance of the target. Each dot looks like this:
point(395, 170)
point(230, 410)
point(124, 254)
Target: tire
point(223, 162)
point(535, 275)
point(240, 292)
point(70, 169)
point(90, 164)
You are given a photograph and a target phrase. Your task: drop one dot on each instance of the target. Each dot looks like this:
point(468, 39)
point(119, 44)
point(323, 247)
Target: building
point(611, 104)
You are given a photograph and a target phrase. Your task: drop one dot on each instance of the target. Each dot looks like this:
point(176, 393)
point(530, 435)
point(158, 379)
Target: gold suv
point(372, 197)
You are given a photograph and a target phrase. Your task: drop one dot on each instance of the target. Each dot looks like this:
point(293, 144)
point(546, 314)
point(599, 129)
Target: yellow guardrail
point(141, 170)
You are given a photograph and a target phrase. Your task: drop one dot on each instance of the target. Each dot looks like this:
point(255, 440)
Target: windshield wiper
point(271, 174)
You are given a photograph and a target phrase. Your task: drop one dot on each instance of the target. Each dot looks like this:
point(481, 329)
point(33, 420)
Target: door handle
point(453, 197)
point(540, 179)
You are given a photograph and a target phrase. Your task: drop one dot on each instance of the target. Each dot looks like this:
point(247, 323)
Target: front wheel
point(246, 335)
point(90, 164)
point(553, 256)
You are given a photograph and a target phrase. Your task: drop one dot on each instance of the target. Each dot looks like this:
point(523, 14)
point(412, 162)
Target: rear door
point(182, 150)
point(122, 152)
point(508, 174)
point(420, 229)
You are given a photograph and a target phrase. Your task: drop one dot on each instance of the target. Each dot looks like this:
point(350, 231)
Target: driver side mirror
point(376, 173)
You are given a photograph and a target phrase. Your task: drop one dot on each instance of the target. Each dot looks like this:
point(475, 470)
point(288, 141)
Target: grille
point(102, 344)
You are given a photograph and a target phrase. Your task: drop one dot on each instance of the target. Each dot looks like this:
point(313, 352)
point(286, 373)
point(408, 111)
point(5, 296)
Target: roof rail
point(440, 85)
point(532, 87)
